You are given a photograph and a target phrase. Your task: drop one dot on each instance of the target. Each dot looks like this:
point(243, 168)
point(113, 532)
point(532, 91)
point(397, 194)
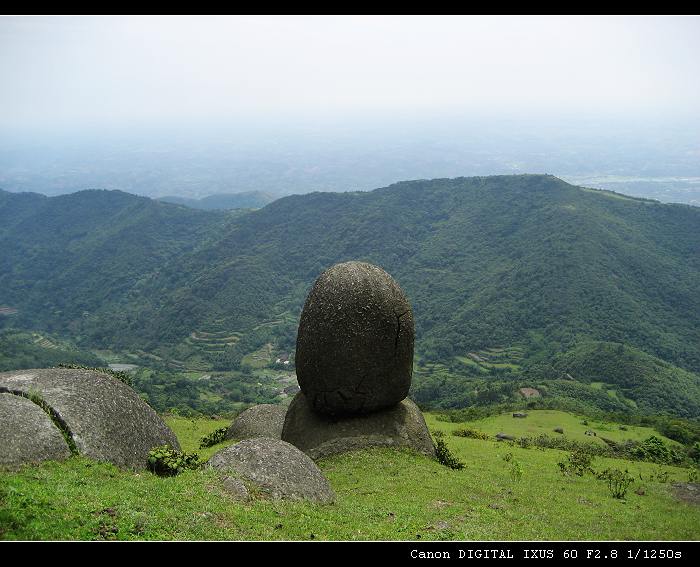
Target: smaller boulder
point(401, 426)
point(276, 467)
point(264, 420)
point(519, 414)
point(504, 437)
point(559, 430)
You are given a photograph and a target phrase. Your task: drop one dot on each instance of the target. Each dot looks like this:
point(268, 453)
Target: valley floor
point(381, 495)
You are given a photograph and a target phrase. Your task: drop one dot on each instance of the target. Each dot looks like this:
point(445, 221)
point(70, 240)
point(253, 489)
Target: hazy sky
point(73, 71)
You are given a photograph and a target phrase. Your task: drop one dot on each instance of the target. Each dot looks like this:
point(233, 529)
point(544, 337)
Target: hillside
point(506, 493)
point(224, 201)
point(652, 383)
point(517, 268)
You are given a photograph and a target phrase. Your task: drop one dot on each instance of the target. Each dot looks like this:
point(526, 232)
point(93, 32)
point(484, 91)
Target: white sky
point(72, 71)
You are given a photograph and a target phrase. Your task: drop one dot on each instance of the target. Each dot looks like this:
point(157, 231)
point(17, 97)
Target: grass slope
point(382, 495)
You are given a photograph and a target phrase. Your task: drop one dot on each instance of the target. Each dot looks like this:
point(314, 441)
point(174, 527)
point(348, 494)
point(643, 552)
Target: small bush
point(653, 449)
point(214, 438)
point(661, 476)
point(437, 433)
point(618, 481)
point(445, 456)
point(508, 457)
point(470, 433)
point(693, 475)
point(516, 471)
point(578, 463)
point(166, 461)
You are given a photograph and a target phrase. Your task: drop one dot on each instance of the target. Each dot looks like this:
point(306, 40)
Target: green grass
point(381, 495)
point(540, 422)
point(190, 432)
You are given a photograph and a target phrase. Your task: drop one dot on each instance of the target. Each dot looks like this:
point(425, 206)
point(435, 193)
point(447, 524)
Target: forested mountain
point(524, 261)
point(224, 201)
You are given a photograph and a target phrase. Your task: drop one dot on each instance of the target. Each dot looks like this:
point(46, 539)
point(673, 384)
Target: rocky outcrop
point(27, 434)
point(354, 350)
point(104, 418)
point(277, 468)
point(264, 420)
point(401, 426)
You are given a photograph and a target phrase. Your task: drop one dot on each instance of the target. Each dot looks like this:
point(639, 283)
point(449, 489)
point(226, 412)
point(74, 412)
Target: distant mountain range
point(526, 261)
point(225, 201)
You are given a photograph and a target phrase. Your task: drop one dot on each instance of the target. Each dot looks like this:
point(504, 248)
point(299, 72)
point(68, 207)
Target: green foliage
point(655, 385)
point(214, 438)
point(618, 481)
point(445, 457)
point(166, 461)
point(19, 350)
point(471, 433)
point(503, 260)
point(694, 452)
point(578, 463)
point(655, 450)
point(516, 471)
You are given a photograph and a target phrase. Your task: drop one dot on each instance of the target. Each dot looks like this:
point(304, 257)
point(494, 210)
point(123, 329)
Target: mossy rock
point(318, 435)
point(277, 468)
point(103, 417)
point(263, 420)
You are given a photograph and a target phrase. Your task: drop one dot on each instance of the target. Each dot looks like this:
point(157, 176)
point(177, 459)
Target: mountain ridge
point(485, 261)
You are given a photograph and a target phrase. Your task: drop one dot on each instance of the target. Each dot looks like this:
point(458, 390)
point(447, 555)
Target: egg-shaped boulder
point(354, 351)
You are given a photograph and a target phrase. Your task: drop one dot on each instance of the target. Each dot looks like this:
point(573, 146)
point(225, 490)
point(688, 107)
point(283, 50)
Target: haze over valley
point(489, 228)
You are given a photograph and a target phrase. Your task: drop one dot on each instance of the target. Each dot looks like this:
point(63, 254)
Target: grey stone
point(504, 437)
point(264, 420)
point(277, 468)
point(558, 430)
point(106, 418)
point(27, 434)
point(320, 436)
point(355, 341)
point(519, 414)
point(235, 487)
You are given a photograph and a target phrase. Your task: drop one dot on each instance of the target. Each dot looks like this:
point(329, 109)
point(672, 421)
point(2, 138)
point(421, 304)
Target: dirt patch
point(687, 492)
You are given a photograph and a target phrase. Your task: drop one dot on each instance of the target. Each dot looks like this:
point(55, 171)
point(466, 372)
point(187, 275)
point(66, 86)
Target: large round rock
point(263, 420)
point(401, 426)
point(355, 342)
point(27, 434)
point(105, 418)
point(278, 468)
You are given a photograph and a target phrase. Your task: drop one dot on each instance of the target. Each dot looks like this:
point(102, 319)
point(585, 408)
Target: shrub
point(445, 456)
point(508, 457)
point(516, 471)
point(693, 475)
point(166, 461)
point(694, 453)
point(214, 438)
point(470, 433)
point(578, 462)
point(618, 481)
point(653, 449)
